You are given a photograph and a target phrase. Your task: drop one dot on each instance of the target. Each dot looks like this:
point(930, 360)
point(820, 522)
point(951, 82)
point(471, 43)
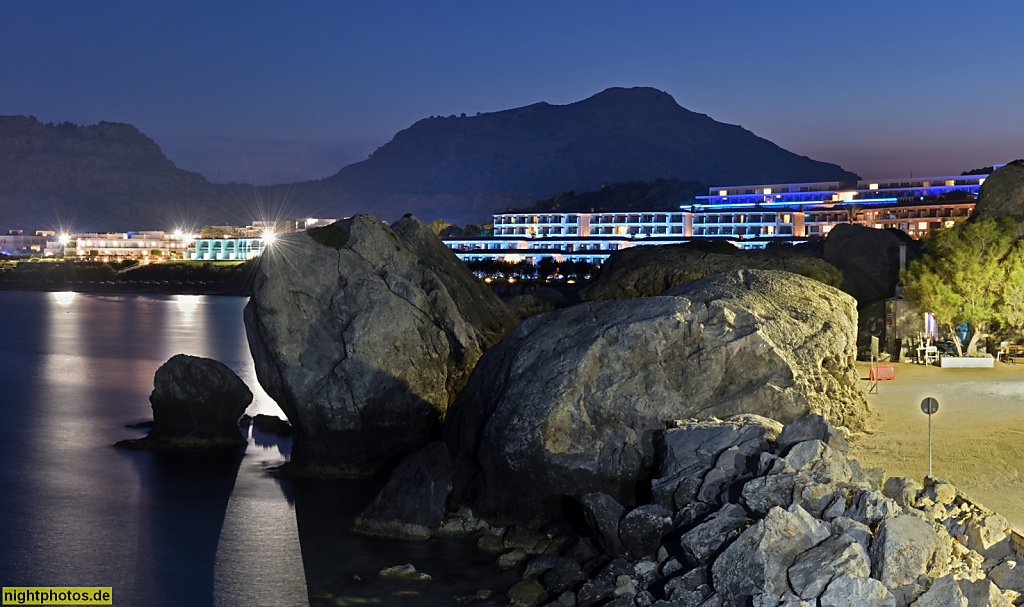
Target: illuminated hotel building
point(747, 216)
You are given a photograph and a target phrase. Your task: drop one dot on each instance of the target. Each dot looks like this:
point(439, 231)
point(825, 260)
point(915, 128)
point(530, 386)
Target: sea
point(159, 528)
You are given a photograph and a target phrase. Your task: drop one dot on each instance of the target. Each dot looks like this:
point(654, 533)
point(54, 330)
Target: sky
point(274, 92)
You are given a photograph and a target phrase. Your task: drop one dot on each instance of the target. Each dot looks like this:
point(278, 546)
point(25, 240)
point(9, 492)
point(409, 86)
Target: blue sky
point(272, 92)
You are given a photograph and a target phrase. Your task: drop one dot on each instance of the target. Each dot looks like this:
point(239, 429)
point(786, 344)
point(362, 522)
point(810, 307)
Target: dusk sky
point(271, 92)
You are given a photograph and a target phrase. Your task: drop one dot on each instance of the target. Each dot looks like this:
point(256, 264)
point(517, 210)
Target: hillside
point(107, 176)
point(112, 177)
point(657, 195)
point(464, 168)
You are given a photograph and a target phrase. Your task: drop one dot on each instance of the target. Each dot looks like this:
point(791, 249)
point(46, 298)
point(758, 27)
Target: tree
point(437, 225)
point(970, 273)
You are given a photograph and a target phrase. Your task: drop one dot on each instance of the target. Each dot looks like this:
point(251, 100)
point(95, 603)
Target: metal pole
point(929, 445)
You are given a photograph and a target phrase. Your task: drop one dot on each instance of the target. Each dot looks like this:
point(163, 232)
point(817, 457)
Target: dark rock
point(196, 402)
point(571, 401)
point(691, 449)
point(651, 270)
point(412, 503)
point(603, 515)
point(271, 424)
point(812, 427)
point(869, 259)
point(363, 341)
point(537, 302)
point(700, 543)
point(594, 591)
point(582, 550)
point(642, 528)
point(564, 576)
point(1002, 194)
point(527, 594)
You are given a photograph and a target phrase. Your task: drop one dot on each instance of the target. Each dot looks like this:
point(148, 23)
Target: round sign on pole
point(929, 405)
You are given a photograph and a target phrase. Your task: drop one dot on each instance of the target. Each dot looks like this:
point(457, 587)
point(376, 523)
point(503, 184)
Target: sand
point(977, 434)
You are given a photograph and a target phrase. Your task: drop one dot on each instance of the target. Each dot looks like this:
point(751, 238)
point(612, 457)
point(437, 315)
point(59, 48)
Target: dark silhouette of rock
point(196, 402)
point(644, 271)
point(412, 503)
point(571, 401)
point(537, 302)
point(1002, 194)
point(363, 334)
point(868, 258)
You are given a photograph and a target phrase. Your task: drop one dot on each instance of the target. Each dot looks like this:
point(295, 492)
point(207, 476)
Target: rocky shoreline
point(686, 448)
point(746, 512)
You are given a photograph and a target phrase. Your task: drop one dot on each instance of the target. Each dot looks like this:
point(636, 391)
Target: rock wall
point(363, 334)
point(571, 401)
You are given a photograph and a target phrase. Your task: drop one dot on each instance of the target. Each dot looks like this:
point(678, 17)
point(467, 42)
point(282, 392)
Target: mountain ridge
point(462, 169)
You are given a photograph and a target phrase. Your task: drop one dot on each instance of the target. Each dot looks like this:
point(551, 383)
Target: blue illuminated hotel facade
point(748, 216)
point(226, 249)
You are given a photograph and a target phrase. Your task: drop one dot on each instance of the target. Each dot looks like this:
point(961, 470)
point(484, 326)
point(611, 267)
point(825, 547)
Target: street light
point(268, 237)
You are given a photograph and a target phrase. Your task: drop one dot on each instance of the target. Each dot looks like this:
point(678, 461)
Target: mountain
point(465, 168)
point(107, 176)
point(462, 169)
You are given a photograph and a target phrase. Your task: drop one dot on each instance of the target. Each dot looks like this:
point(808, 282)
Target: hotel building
point(746, 216)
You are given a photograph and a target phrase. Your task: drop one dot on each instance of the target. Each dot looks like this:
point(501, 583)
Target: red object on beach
point(882, 373)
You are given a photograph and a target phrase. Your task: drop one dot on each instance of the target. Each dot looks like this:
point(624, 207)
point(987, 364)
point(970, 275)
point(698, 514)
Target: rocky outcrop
point(196, 402)
point(571, 401)
point(363, 334)
point(1002, 194)
point(537, 302)
point(869, 259)
point(720, 549)
point(412, 503)
point(644, 271)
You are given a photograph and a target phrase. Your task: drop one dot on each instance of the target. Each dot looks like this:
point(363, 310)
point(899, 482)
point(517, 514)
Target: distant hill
point(103, 177)
point(462, 169)
point(465, 168)
point(657, 195)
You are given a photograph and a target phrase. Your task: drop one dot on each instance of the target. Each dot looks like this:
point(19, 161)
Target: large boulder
point(537, 302)
point(363, 334)
point(868, 258)
point(645, 271)
point(1002, 194)
point(196, 401)
point(571, 401)
point(412, 503)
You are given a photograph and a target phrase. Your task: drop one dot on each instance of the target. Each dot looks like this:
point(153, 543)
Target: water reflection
point(64, 298)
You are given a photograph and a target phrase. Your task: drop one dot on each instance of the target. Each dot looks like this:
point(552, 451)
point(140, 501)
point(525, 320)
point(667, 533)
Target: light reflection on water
point(175, 529)
point(76, 511)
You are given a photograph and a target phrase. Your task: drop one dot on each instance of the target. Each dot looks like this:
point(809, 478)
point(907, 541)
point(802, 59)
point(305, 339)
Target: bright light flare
point(64, 239)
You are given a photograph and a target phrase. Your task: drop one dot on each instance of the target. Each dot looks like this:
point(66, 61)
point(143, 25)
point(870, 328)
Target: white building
point(746, 216)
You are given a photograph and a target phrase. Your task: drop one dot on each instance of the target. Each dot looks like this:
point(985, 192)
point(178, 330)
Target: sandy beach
point(978, 432)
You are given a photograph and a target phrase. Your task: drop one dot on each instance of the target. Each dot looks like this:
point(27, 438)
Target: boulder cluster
point(745, 511)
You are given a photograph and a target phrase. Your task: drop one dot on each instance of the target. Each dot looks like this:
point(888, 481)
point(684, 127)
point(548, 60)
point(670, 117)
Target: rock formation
point(571, 401)
point(537, 302)
point(1002, 194)
point(196, 402)
point(363, 334)
point(412, 503)
point(869, 259)
point(826, 537)
point(651, 270)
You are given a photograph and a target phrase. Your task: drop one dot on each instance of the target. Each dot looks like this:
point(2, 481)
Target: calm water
point(173, 529)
